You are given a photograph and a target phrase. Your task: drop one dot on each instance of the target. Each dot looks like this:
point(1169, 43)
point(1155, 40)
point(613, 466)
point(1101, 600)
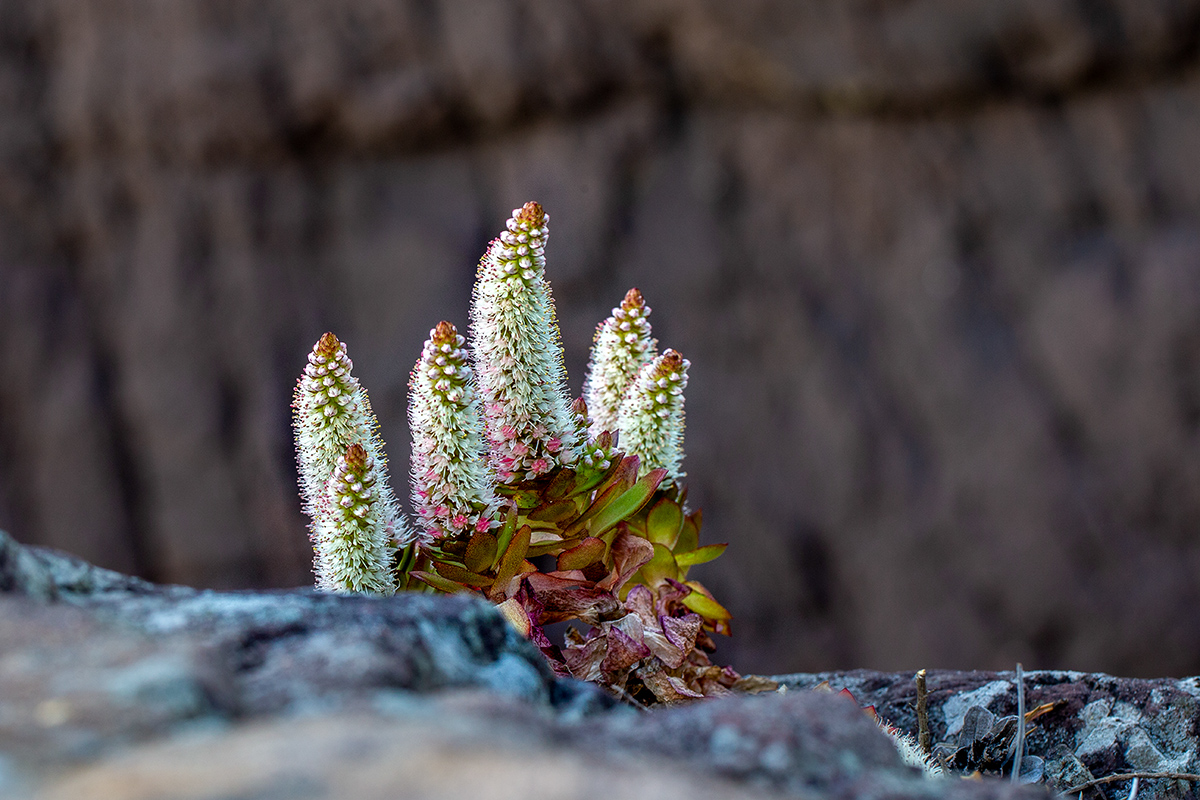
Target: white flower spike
point(353, 545)
point(518, 354)
point(453, 487)
point(623, 345)
point(651, 416)
point(331, 411)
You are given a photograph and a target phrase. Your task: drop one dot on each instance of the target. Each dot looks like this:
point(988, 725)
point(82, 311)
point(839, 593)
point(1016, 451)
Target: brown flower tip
point(356, 457)
point(444, 333)
point(672, 362)
point(579, 407)
point(633, 299)
point(531, 213)
point(328, 346)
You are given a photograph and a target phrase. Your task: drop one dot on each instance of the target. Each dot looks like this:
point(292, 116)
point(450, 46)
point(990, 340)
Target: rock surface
point(933, 263)
point(114, 688)
point(1098, 725)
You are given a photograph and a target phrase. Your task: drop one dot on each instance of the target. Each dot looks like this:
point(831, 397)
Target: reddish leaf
point(583, 658)
point(554, 512)
point(640, 601)
point(562, 484)
point(681, 631)
point(623, 652)
point(563, 599)
point(629, 553)
point(666, 688)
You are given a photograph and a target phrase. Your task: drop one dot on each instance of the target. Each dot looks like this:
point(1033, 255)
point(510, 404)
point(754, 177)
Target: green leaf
point(526, 498)
point(561, 485)
point(584, 554)
point(689, 534)
point(481, 552)
point(554, 512)
point(438, 582)
point(603, 498)
point(407, 557)
point(701, 555)
point(705, 606)
point(459, 575)
point(664, 521)
point(660, 567)
point(629, 503)
point(506, 532)
point(513, 558)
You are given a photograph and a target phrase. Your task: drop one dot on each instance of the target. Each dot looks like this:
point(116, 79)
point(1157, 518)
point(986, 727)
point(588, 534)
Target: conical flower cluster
point(518, 354)
point(595, 452)
point(623, 345)
point(352, 541)
point(651, 416)
point(452, 483)
point(331, 412)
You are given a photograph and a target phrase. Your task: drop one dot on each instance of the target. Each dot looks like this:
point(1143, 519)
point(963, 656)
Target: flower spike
point(331, 412)
point(623, 345)
point(518, 354)
point(651, 418)
point(452, 484)
point(353, 543)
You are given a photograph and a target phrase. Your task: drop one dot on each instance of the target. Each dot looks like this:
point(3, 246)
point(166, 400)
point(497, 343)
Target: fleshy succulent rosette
point(622, 346)
point(452, 482)
point(331, 411)
point(354, 550)
point(651, 416)
point(518, 354)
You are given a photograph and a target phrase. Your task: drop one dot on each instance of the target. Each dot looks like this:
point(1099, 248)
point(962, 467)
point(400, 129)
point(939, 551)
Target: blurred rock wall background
point(936, 264)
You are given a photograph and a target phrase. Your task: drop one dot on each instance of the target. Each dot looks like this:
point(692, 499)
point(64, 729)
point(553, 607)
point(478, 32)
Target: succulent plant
point(549, 511)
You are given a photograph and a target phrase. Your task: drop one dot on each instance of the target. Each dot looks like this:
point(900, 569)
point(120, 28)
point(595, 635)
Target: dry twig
point(923, 737)
point(1125, 776)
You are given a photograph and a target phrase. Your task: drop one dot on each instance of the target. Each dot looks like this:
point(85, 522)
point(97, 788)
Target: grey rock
point(115, 688)
point(1099, 725)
